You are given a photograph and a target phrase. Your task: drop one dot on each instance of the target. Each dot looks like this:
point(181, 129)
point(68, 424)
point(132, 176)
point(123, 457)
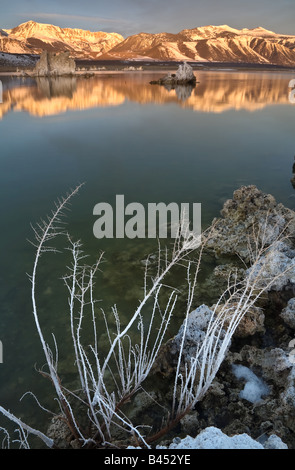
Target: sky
point(129, 17)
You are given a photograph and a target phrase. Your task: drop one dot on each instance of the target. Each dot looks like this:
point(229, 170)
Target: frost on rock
point(288, 395)
point(276, 268)
point(288, 313)
point(195, 329)
point(251, 323)
point(214, 438)
point(275, 442)
point(197, 324)
point(185, 73)
point(254, 388)
point(251, 209)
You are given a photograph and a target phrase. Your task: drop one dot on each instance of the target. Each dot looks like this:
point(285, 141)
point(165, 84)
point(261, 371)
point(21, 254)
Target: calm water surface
point(120, 135)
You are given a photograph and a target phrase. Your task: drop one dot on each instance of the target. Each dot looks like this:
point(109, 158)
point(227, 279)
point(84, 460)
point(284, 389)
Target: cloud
point(86, 22)
point(65, 17)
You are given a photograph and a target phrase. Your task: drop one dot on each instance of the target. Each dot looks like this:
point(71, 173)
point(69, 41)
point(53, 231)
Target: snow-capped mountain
point(204, 44)
point(32, 38)
point(210, 43)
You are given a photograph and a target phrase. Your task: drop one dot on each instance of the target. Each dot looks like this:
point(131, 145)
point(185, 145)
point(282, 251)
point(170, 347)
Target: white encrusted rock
point(288, 313)
point(184, 76)
point(185, 73)
point(214, 438)
point(276, 269)
point(275, 442)
point(250, 212)
point(196, 327)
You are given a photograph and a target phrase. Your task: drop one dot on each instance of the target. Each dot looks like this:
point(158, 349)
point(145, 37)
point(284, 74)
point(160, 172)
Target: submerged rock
point(54, 64)
point(184, 76)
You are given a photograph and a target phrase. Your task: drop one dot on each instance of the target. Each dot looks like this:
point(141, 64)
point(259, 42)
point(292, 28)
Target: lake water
point(120, 135)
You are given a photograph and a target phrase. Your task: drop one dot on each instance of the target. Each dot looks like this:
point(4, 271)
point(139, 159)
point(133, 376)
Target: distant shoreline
point(154, 65)
point(160, 63)
point(144, 65)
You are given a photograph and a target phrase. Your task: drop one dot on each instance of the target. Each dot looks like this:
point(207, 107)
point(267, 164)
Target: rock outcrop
point(184, 76)
point(288, 313)
point(251, 212)
point(253, 392)
point(53, 64)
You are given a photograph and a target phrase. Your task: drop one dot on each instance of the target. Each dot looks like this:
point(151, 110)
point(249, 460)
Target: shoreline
point(80, 73)
point(84, 66)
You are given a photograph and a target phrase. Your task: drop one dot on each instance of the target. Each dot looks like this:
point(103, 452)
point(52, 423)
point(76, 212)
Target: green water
point(120, 135)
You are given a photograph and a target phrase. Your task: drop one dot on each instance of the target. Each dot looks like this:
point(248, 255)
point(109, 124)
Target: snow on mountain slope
point(32, 37)
point(13, 46)
point(205, 44)
point(210, 43)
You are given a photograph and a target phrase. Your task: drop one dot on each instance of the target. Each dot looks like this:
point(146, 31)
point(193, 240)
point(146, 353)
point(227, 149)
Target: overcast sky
point(133, 16)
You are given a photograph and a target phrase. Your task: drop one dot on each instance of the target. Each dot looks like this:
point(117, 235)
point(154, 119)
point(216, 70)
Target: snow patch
point(254, 388)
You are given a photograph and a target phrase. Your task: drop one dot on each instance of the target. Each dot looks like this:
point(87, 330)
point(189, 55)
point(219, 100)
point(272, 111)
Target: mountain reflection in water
point(216, 92)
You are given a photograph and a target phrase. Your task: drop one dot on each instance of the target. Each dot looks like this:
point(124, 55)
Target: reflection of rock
point(60, 94)
point(184, 76)
point(183, 92)
point(58, 86)
point(241, 91)
point(54, 64)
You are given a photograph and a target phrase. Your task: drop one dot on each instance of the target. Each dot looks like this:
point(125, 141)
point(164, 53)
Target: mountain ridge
point(32, 38)
point(210, 44)
point(201, 44)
